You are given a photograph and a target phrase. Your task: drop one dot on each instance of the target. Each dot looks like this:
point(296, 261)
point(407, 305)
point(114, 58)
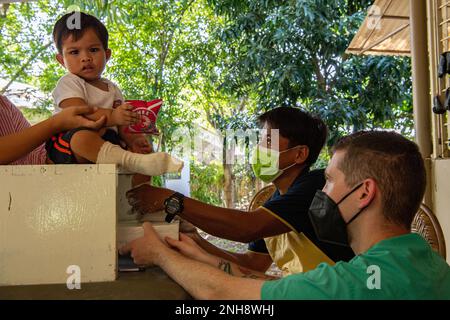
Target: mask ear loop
point(348, 194)
point(300, 145)
point(295, 163)
point(356, 215)
point(359, 212)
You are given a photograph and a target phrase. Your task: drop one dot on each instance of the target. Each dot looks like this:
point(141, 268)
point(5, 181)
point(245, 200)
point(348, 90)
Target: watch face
point(173, 206)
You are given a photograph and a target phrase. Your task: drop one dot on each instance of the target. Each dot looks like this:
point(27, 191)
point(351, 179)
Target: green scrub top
point(403, 267)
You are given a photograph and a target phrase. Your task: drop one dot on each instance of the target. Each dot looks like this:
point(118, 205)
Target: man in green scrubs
point(375, 183)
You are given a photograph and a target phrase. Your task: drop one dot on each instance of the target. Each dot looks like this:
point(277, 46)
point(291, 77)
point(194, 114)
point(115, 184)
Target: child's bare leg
point(85, 145)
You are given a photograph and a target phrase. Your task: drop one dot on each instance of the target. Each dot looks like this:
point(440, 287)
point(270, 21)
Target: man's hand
point(147, 250)
point(188, 247)
point(147, 199)
point(73, 117)
point(200, 280)
point(124, 115)
point(140, 145)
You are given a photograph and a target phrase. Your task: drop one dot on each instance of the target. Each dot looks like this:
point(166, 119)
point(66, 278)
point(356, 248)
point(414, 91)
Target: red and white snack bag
point(148, 111)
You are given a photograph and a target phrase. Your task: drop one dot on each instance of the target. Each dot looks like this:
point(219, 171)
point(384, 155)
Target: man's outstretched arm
point(201, 280)
point(224, 223)
point(189, 248)
point(251, 260)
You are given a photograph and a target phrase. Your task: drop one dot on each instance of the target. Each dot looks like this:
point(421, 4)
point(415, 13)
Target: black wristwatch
point(173, 206)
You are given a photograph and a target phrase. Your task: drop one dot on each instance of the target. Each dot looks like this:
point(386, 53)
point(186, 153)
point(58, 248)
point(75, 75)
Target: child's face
point(86, 57)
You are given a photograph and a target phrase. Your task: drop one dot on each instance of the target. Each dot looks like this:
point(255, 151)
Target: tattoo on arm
point(225, 267)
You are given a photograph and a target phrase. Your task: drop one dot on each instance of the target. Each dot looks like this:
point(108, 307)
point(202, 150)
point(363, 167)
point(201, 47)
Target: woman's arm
point(17, 145)
point(94, 116)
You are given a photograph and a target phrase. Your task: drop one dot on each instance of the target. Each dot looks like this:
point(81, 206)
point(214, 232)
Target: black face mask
point(327, 220)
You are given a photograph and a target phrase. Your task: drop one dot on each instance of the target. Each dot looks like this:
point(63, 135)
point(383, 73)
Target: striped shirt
point(12, 121)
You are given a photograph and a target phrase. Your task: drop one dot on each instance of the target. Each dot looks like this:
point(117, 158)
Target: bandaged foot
point(152, 164)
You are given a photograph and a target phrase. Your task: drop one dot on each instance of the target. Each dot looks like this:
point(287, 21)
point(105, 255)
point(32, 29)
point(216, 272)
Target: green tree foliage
point(206, 182)
point(219, 63)
point(157, 46)
point(261, 53)
point(293, 53)
point(24, 41)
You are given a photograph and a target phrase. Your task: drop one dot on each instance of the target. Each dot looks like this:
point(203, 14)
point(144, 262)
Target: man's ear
point(60, 59)
point(108, 54)
point(302, 155)
point(368, 192)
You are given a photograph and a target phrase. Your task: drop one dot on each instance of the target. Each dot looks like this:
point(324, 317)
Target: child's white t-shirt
point(72, 86)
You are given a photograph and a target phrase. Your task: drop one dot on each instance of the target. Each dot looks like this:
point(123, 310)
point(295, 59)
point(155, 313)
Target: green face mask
point(265, 164)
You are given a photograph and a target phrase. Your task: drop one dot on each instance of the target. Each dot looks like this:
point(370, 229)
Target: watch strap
point(169, 216)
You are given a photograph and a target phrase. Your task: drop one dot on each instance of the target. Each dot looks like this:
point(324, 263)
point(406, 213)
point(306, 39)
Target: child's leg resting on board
point(85, 144)
point(152, 164)
point(89, 145)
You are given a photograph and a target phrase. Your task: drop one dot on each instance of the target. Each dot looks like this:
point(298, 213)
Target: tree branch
point(167, 44)
point(24, 66)
point(4, 7)
point(321, 82)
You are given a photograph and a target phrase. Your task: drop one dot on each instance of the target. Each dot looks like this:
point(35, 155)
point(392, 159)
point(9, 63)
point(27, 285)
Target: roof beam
point(357, 50)
point(390, 35)
point(385, 9)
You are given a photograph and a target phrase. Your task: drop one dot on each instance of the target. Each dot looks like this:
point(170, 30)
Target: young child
point(83, 51)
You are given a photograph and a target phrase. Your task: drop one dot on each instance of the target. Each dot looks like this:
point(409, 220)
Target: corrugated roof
point(385, 30)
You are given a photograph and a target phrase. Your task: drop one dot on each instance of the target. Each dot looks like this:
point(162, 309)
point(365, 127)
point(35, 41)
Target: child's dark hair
point(68, 25)
point(299, 127)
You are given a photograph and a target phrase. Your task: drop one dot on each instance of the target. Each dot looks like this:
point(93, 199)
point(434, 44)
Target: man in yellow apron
point(375, 183)
point(298, 250)
point(290, 145)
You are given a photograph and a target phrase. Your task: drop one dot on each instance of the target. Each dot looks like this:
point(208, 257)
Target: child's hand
point(140, 145)
point(124, 116)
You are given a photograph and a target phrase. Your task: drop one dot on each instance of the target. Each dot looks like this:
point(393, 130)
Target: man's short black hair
point(299, 127)
point(68, 25)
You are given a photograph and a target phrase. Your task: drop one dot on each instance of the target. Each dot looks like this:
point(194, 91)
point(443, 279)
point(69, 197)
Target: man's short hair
point(65, 27)
point(299, 127)
point(394, 162)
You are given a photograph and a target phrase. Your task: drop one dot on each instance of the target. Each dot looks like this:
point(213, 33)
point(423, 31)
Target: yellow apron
point(293, 252)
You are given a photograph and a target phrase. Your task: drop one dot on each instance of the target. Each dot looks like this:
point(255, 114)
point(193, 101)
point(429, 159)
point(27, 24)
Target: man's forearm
point(225, 223)
point(242, 259)
point(231, 224)
point(239, 271)
point(203, 281)
point(234, 269)
point(212, 249)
